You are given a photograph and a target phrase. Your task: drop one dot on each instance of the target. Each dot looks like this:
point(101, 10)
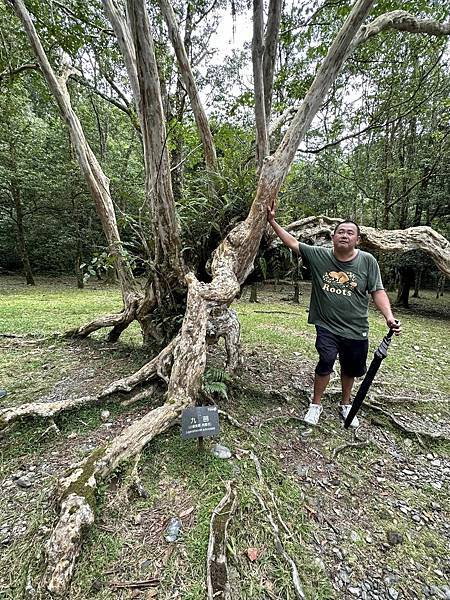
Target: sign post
point(199, 422)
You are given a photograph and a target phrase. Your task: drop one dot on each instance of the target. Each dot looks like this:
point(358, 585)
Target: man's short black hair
point(358, 230)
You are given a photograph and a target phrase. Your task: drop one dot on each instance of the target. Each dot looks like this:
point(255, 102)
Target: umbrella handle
point(391, 331)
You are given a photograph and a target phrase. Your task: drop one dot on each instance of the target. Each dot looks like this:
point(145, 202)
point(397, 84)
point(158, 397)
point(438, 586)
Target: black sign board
point(199, 421)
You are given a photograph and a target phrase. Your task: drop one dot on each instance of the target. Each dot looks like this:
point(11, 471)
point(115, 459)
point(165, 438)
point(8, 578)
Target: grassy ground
point(339, 511)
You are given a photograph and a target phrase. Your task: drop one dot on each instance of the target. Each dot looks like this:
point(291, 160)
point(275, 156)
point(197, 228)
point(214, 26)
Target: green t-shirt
point(339, 298)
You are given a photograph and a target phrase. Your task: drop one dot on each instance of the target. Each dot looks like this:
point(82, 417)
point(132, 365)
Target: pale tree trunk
point(177, 154)
point(270, 52)
point(191, 87)
point(262, 139)
point(96, 180)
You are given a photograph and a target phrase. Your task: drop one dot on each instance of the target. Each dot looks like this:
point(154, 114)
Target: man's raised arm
point(287, 239)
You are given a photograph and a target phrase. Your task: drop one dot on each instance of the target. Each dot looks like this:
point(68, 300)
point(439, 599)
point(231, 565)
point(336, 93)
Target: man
point(342, 278)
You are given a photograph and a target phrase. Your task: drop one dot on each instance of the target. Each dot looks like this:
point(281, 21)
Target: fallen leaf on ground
point(253, 553)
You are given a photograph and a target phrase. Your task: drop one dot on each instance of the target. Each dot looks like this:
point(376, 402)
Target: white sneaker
point(313, 414)
point(344, 410)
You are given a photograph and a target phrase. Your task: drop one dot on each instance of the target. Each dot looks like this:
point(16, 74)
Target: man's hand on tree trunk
point(271, 213)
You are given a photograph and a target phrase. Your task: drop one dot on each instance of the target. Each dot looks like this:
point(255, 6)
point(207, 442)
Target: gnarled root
point(76, 514)
point(216, 561)
point(413, 424)
point(298, 588)
point(81, 483)
point(223, 322)
point(160, 365)
point(42, 409)
point(119, 322)
point(78, 492)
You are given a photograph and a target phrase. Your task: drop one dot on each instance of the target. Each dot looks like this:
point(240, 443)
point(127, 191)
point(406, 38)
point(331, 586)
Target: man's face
point(345, 237)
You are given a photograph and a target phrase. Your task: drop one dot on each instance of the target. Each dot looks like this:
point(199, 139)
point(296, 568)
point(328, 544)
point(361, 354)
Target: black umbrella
point(379, 355)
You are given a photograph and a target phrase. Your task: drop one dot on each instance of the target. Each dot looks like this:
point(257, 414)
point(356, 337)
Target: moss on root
point(80, 487)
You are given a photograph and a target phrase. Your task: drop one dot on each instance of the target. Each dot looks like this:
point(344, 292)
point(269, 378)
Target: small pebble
point(104, 415)
point(355, 591)
point(23, 482)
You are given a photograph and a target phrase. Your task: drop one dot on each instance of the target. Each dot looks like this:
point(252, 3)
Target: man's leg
point(352, 356)
point(347, 385)
point(326, 345)
point(320, 384)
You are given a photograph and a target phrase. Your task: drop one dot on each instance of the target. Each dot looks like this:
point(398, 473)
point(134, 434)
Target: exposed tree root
point(298, 588)
point(280, 548)
point(42, 409)
point(361, 444)
point(407, 399)
point(235, 422)
point(418, 432)
point(223, 322)
point(119, 322)
point(160, 365)
point(216, 560)
point(145, 394)
point(78, 492)
point(77, 489)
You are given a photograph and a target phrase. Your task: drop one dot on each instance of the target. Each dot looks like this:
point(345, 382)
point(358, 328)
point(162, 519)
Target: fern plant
point(215, 383)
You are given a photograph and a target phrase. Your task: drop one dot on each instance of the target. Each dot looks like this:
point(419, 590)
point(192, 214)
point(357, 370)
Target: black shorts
point(352, 353)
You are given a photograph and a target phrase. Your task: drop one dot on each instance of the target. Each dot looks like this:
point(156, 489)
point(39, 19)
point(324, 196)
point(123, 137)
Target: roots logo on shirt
point(339, 282)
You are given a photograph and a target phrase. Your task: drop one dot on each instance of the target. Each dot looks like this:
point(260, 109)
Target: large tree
point(170, 282)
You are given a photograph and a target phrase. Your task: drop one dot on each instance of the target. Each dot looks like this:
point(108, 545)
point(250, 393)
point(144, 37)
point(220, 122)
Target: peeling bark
point(224, 323)
point(270, 52)
point(401, 20)
point(262, 140)
point(44, 410)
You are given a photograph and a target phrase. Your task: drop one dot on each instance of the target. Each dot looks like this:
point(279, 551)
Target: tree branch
point(392, 240)
point(262, 140)
point(401, 20)
point(18, 70)
point(270, 52)
point(82, 81)
point(188, 78)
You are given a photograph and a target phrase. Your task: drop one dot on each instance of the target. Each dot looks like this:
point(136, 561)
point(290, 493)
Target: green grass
point(419, 359)
point(56, 306)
